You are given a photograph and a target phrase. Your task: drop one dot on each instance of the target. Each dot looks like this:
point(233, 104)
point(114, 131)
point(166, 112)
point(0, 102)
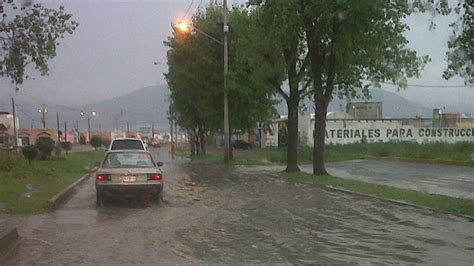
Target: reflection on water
point(271, 219)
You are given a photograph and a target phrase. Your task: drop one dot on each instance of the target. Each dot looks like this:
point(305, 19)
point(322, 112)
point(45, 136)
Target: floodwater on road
point(214, 214)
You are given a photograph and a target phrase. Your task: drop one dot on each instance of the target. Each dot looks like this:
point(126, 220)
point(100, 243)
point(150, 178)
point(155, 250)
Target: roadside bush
point(10, 161)
point(57, 150)
point(106, 142)
point(45, 147)
point(30, 152)
point(96, 141)
point(305, 153)
point(67, 146)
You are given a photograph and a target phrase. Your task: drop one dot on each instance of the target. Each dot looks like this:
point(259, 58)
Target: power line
point(430, 86)
point(187, 10)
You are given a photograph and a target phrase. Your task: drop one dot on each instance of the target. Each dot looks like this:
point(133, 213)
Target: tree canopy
point(30, 35)
point(461, 46)
point(195, 75)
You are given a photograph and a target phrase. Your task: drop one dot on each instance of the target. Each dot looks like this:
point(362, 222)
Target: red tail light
point(155, 177)
point(102, 177)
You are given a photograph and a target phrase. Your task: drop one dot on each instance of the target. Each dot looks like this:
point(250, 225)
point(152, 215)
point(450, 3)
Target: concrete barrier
point(65, 194)
point(9, 240)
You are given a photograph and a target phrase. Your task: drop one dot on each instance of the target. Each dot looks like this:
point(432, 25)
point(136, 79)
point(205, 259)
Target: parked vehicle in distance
point(129, 173)
point(153, 143)
point(241, 144)
point(127, 144)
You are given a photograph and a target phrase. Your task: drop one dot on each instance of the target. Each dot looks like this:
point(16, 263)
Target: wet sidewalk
point(453, 181)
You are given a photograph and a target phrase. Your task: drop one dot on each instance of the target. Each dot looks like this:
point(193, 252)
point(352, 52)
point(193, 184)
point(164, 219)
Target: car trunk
point(132, 175)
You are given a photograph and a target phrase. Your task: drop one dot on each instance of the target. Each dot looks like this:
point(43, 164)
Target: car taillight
point(155, 177)
point(102, 177)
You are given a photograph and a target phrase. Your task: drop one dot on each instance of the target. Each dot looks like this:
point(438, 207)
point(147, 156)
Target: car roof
point(127, 139)
point(129, 150)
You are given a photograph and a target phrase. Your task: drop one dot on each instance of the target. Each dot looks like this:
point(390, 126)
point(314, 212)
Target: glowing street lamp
point(94, 114)
point(43, 111)
point(183, 26)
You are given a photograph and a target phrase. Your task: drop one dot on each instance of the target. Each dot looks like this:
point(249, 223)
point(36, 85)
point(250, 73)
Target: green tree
point(30, 152)
point(353, 45)
point(195, 77)
point(460, 55)
point(96, 141)
point(30, 34)
point(67, 146)
point(277, 50)
point(106, 142)
point(45, 147)
point(57, 149)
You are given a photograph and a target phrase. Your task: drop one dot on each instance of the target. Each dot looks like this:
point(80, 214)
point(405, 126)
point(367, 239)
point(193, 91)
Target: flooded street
point(214, 214)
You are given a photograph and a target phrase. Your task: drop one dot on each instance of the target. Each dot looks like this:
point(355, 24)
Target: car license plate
point(128, 179)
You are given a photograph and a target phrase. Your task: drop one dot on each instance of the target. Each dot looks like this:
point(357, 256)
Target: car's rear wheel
point(158, 197)
point(100, 200)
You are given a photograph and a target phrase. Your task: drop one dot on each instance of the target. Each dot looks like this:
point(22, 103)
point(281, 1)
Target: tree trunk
point(231, 154)
point(292, 141)
point(197, 142)
point(193, 143)
point(202, 140)
point(319, 135)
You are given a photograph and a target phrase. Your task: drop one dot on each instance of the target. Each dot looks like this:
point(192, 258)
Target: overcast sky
point(113, 50)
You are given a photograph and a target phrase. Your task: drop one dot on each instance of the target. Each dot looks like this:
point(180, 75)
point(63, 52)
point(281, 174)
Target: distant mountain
point(394, 106)
point(150, 104)
point(140, 108)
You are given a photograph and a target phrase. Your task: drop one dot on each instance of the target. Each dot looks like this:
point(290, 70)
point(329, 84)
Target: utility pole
point(152, 131)
point(226, 104)
point(43, 110)
point(89, 128)
point(128, 129)
point(15, 133)
point(77, 126)
point(65, 131)
point(176, 131)
point(59, 130)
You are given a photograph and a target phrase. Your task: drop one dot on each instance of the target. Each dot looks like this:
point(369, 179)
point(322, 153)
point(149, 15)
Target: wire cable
point(430, 86)
point(187, 10)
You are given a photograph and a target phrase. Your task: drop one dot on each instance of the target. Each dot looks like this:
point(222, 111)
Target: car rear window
point(127, 144)
point(128, 160)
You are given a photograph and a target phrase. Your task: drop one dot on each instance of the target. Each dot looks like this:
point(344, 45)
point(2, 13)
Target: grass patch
point(461, 151)
point(44, 178)
point(438, 202)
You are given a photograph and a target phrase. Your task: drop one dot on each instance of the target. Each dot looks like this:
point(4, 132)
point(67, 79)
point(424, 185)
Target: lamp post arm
point(208, 36)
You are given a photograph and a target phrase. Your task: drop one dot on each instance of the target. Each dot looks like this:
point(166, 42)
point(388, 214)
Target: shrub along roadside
point(45, 147)
point(461, 151)
point(438, 202)
point(25, 189)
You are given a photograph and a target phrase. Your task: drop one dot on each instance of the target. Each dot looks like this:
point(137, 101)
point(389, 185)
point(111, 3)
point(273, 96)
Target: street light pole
point(89, 128)
point(226, 103)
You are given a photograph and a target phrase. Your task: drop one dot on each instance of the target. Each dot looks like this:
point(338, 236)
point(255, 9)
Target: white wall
point(353, 131)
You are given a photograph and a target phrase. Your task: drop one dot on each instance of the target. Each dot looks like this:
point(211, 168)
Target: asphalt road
point(214, 214)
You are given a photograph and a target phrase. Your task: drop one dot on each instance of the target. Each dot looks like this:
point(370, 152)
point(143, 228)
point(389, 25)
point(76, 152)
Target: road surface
point(214, 214)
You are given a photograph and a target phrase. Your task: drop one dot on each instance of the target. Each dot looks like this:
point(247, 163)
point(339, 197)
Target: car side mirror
point(159, 164)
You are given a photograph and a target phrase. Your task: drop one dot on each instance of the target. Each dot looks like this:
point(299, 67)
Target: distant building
point(7, 129)
point(365, 110)
point(443, 119)
point(31, 135)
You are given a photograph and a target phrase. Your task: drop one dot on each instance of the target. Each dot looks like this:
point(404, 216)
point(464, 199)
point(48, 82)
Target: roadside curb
point(419, 160)
point(54, 202)
point(398, 202)
point(9, 240)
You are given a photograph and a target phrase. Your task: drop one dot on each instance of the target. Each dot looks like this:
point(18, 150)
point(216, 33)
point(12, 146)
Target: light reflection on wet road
point(214, 214)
